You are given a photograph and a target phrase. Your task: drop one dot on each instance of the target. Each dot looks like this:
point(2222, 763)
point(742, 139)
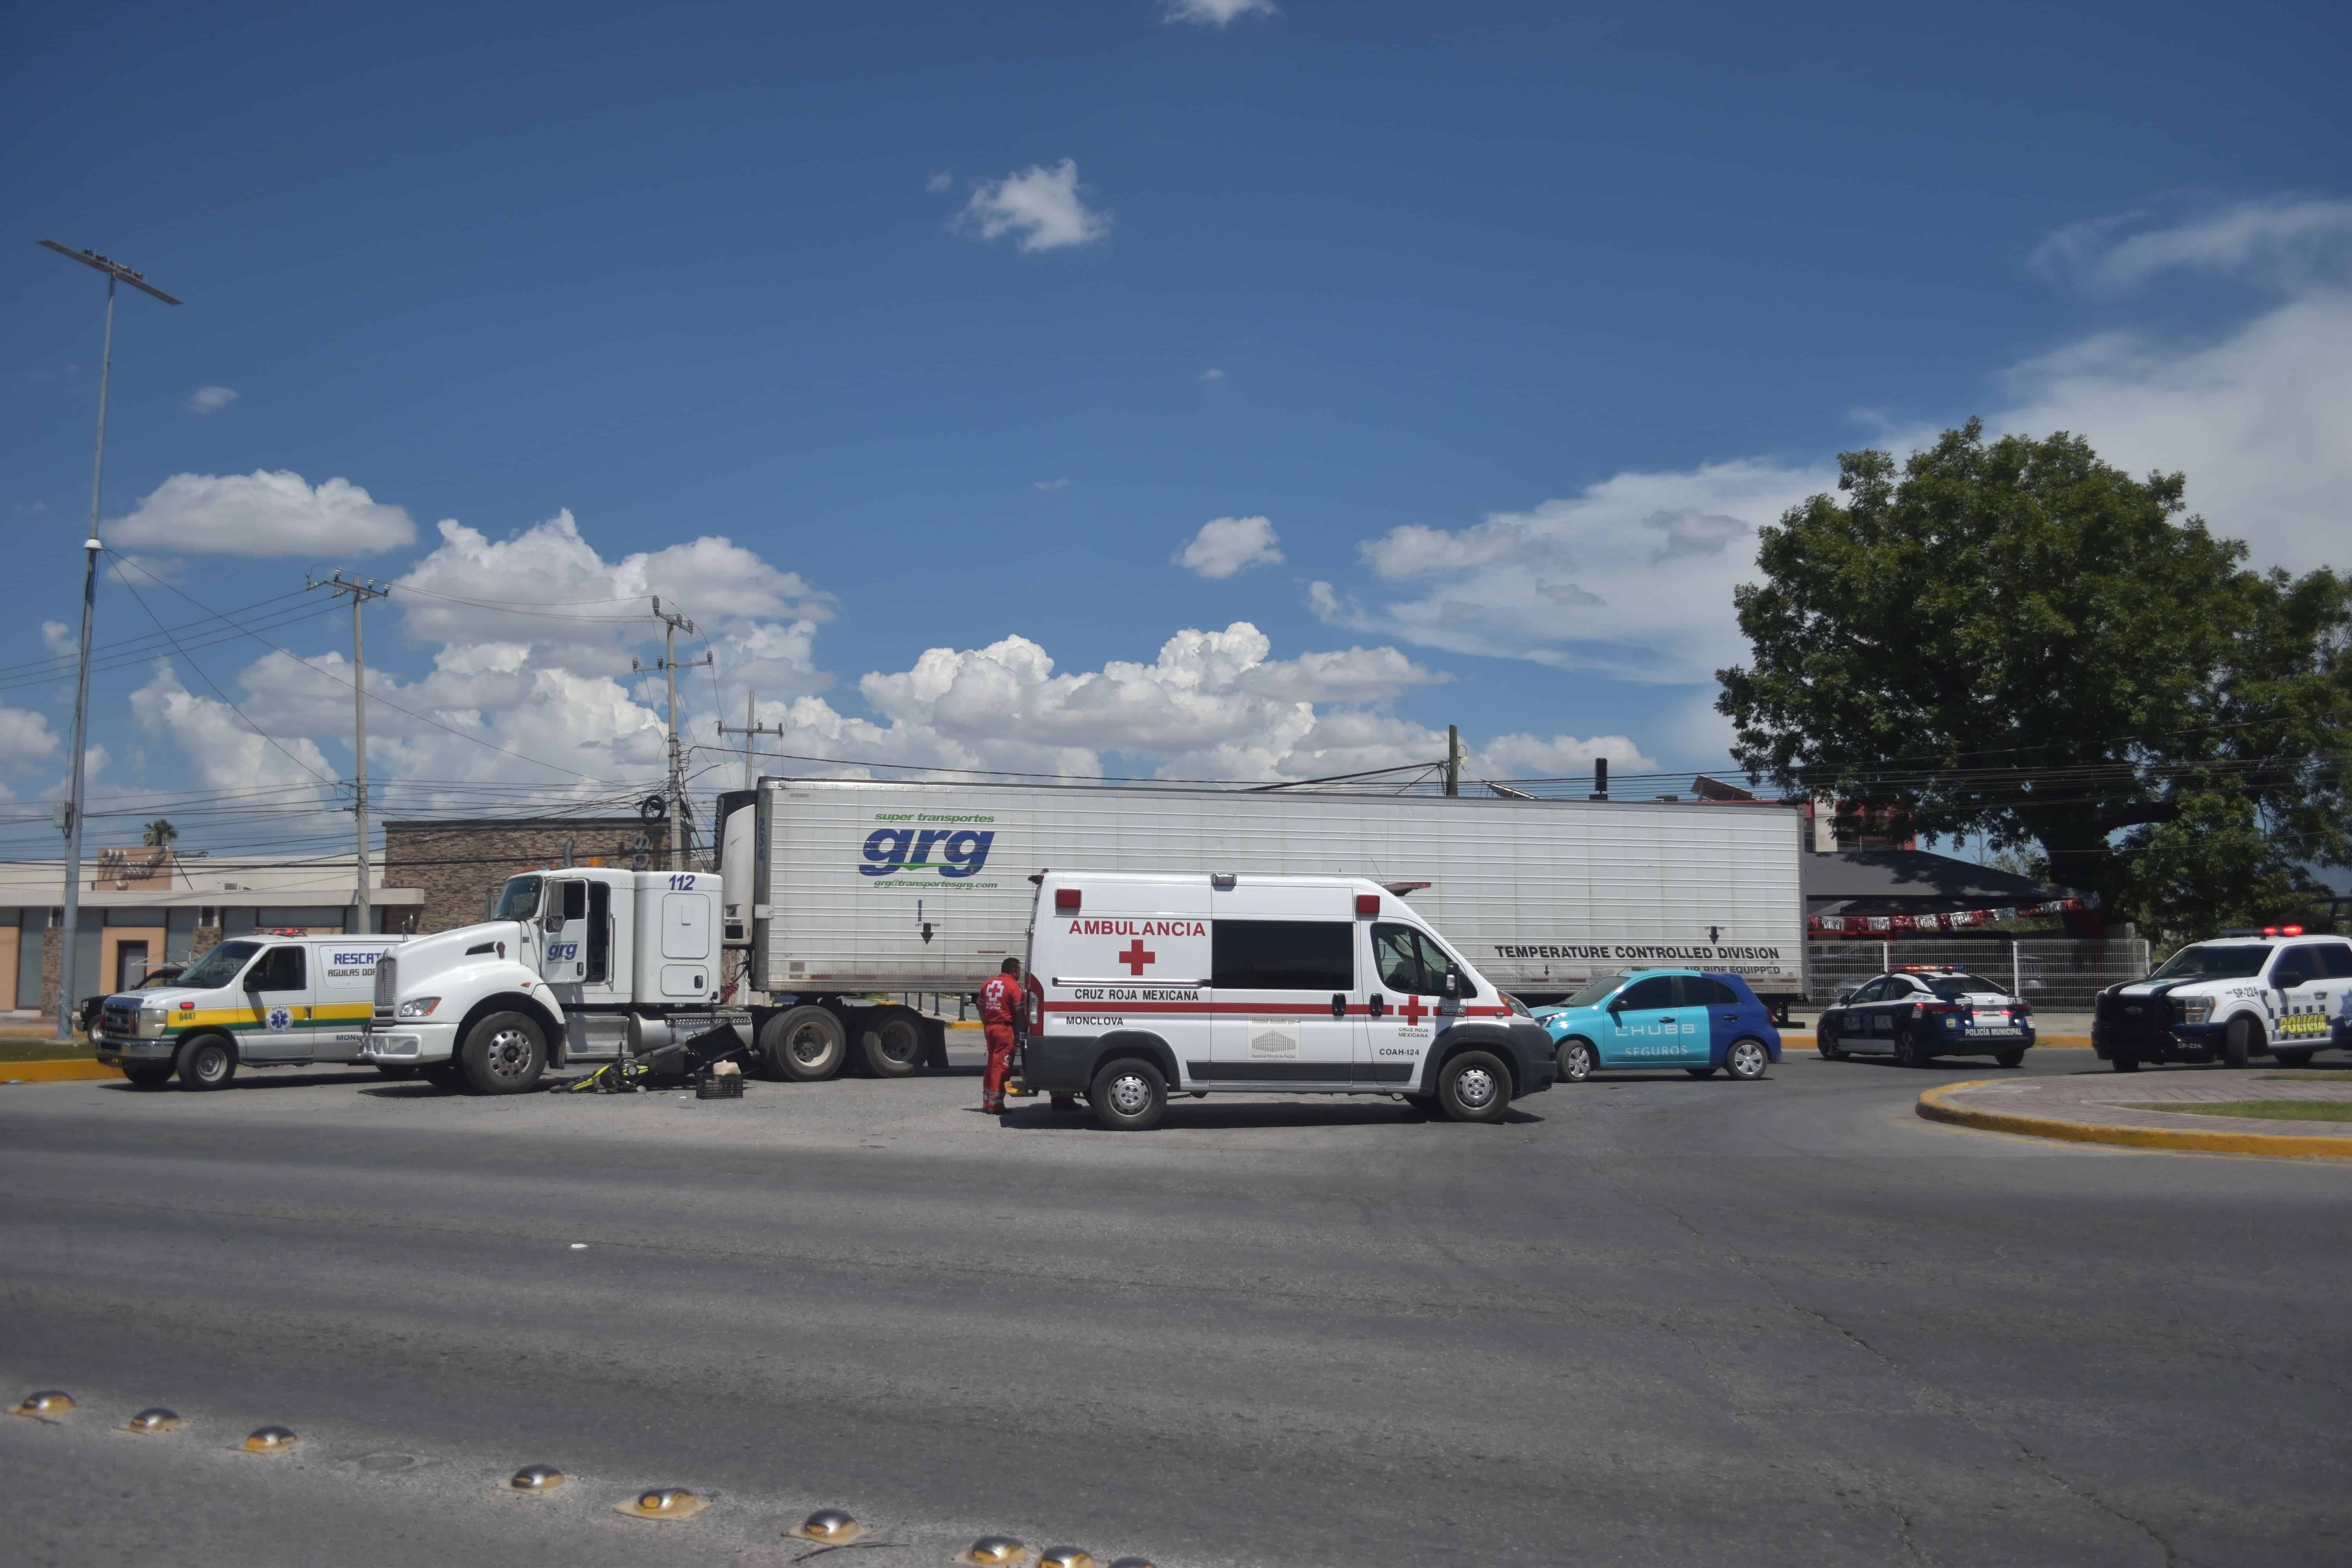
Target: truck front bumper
point(418, 1044)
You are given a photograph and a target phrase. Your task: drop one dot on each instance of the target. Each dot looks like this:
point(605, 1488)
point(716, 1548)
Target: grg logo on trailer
point(892, 850)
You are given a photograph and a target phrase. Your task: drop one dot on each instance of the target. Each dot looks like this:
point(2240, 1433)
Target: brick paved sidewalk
point(2105, 1098)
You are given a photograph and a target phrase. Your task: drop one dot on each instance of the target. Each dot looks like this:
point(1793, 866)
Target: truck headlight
point(418, 1007)
point(151, 1023)
point(2196, 1009)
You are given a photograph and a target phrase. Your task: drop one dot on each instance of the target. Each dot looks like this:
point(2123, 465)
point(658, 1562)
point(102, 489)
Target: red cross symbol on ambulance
point(1135, 957)
point(1414, 1012)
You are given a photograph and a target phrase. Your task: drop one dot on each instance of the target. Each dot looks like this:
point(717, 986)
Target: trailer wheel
point(806, 1044)
point(504, 1054)
point(893, 1048)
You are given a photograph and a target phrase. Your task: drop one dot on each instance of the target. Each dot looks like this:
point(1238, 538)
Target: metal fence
point(2056, 974)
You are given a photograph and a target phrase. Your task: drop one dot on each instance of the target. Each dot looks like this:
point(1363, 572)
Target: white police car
point(1922, 1011)
point(2273, 990)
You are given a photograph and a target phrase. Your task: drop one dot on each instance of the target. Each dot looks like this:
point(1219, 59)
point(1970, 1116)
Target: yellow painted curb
point(68, 1071)
point(2286, 1145)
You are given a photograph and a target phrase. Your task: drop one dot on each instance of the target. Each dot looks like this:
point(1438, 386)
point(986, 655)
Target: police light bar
point(2282, 931)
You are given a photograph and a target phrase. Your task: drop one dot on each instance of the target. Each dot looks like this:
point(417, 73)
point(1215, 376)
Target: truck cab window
point(599, 933)
point(518, 900)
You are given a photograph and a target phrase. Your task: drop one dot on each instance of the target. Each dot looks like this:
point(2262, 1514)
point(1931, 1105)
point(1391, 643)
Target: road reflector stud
point(1064, 1557)
point(536, 1478)
point(268, 1440)
point(831, 1525)
point(156, 1419)
point(661, 1502)
point(996, 1551)
point(46, 1401)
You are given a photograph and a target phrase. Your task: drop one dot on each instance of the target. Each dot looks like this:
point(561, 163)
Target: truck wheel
point(206, 1062)
point(806, 1044)
point(1129, 1095)
point(1576, 1061)
point(2009, 1059)
point(2286, 1059)
point(503, 1054)
point(1907, 1053)
point(1746, 1059)
point(893, 1048)
point(2238, 1042)
point(1473, 1087)
point(148, 1075)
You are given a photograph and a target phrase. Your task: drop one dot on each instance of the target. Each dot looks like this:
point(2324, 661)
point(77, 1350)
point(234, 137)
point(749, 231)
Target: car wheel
point(2011, 1058)
point(1128, 1095)
point(1576, 1060)
point(148, 1075)
point(205, 1062)
point(2290, 1059)
point(1825, 1042)
point(1474, 1087)
point(806, 1044)
point(1746, 1059)
point(1907, 1053)
point(2123, 1061)
point(504, 1054)
point(2239, 1042)
point(894, 1046)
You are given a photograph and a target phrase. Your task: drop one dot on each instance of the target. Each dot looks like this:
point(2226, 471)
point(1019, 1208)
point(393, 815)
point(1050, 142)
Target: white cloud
point(222, 752)
point(1216, 13)
point(1050, 485)
point(58, 637)
point(211, 399)
point(1040, 206)
point(26, 738)
point(1533, 756)
point(937, 181)
point(1632, 577)
point(2288, 242)
point(551, 584)
point(2254, 415)
point(1229, 545)
point(262, 513)
point(1211, 705)
point(1213, 373)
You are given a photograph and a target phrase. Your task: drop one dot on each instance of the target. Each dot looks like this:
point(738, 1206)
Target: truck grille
point(2135, 1020)
point(387, 984)
point(119, 1021)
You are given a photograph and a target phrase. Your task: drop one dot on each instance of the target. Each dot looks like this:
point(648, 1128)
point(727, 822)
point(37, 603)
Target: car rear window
point(1953, 985)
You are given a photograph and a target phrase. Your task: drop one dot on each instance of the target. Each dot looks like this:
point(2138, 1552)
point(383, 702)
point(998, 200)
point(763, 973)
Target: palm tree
point(160, 832)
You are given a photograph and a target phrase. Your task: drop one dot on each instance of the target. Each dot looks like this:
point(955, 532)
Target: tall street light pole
point(362, 590)
point(69, 949)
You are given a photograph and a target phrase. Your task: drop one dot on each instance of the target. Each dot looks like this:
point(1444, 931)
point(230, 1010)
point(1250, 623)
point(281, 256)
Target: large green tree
point(2014, 639)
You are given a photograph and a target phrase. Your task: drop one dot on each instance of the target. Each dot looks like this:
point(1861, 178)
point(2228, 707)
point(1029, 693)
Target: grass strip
point(40, 1048)
point(2262, 1109)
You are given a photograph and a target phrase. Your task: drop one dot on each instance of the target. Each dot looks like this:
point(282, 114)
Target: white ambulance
point(259, 1001)
point(1143, 985)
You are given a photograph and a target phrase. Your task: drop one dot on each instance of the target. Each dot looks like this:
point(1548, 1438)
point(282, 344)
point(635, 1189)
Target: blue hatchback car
point(1663, 1018)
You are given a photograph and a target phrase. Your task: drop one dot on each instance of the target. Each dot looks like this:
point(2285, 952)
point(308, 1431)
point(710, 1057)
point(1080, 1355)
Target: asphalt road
point(1649, 1320)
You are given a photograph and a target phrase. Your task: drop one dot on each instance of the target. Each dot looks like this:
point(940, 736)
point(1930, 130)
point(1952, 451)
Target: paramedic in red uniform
point(1001, 1002)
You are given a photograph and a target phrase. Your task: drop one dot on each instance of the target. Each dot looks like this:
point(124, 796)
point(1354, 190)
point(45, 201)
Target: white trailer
point(846, 887)
point(836, 890)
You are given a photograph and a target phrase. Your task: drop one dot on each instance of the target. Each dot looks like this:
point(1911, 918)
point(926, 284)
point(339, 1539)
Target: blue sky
point(958, 325)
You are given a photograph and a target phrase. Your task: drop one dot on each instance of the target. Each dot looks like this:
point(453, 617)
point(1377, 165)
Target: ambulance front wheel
point(1474, 1087)
point(1128, 1095)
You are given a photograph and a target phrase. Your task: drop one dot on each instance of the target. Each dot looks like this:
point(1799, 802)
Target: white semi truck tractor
point(841, 893)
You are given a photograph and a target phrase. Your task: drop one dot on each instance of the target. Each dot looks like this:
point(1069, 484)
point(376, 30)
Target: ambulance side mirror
point(1453, 981)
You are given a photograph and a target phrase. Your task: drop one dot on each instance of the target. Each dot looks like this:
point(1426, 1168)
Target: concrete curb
point(74, 1071)
point(1933, 1106)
